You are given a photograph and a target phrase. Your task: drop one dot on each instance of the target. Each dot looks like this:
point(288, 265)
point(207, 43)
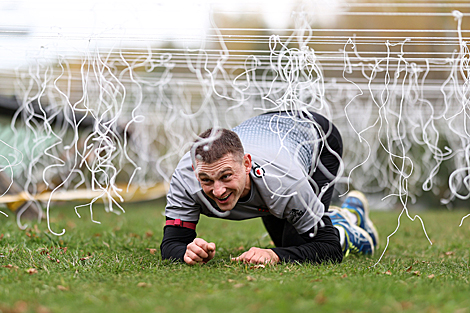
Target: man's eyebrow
point(202, 174)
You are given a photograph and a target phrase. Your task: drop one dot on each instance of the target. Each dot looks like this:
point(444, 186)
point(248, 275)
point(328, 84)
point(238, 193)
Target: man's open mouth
point(224, 199)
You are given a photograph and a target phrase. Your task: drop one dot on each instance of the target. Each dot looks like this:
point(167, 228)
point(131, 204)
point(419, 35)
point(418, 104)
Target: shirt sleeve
point(175, 241)
point(182, 195)
point(182, 205)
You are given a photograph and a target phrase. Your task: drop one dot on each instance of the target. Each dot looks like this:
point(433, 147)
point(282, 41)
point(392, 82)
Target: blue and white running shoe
point(357, 204)
point(357, 240)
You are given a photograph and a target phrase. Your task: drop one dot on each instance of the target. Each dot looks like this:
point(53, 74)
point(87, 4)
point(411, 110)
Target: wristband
point(180, 223)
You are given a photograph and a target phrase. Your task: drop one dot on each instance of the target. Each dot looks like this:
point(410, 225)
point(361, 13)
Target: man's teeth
point(222, 199)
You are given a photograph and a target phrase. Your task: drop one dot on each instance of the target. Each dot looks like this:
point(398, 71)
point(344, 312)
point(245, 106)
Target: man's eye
point(206, 180)
point(226, 176)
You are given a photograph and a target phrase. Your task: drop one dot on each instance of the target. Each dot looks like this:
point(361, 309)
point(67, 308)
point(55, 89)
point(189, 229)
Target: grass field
point(116, 267)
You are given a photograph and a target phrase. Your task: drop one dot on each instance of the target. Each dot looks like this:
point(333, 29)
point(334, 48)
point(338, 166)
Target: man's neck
point(247, 193)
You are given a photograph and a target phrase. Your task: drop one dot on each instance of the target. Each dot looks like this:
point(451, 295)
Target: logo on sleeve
point(258, 171)
point(294, 215)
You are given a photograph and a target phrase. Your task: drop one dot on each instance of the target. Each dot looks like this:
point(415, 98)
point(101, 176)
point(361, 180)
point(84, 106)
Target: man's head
point(222, 168)
point(213, 144)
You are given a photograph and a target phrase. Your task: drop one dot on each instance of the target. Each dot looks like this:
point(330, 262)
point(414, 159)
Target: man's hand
point(258, 256)
point(199, 251)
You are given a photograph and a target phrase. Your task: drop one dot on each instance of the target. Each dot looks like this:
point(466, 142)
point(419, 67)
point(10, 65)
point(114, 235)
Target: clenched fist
point(199, 251)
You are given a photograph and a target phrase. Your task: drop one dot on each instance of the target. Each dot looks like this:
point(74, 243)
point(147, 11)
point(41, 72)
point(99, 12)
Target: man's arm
point(175, 241)
point(323, 247)
point(180, 243)
point(316, 244)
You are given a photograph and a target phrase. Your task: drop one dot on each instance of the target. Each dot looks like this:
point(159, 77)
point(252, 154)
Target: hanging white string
point(124, 109)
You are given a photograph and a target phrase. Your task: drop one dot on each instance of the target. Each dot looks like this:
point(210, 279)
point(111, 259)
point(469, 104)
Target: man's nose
point(219, 188)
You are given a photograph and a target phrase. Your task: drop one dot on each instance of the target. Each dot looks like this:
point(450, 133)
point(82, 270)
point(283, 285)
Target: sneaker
point(357, 204)
point(357, 240)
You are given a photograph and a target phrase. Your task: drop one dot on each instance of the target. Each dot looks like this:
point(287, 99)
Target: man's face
point(226, 180)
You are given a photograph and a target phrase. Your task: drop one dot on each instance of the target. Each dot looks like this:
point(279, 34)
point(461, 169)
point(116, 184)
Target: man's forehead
point(224, 164)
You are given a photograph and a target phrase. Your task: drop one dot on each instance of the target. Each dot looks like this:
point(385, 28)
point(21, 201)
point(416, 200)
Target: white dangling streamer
point(120, 113)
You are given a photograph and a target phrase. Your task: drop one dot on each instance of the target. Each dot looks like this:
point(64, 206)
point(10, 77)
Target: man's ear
point(247, 162)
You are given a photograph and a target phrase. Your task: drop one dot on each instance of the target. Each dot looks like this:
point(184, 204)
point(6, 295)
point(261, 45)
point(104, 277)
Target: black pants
point(282, 232)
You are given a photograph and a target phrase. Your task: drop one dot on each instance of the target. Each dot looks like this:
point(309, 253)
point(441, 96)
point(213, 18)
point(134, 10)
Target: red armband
point(180, 223)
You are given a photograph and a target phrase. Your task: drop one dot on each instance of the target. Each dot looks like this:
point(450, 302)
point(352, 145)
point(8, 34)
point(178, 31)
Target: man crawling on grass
point(278, 166)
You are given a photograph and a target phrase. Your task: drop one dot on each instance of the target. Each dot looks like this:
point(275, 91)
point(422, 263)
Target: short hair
point(221, 142)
